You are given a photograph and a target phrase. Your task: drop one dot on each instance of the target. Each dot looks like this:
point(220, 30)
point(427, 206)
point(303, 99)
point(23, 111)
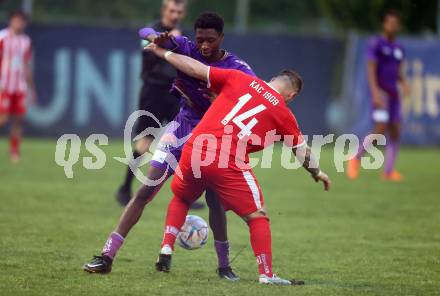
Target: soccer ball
point(193, 234)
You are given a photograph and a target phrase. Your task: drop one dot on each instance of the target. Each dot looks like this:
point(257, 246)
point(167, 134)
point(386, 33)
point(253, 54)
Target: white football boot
point(274, 280)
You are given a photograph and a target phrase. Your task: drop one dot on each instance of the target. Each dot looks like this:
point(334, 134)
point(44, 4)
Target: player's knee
point(3, 119)
point(143, 145)
point(380, 128)
point(155, 174)
point(182, 199)
point(18, 119)
point(256, 215)
point(394, 136)
point(395, 132)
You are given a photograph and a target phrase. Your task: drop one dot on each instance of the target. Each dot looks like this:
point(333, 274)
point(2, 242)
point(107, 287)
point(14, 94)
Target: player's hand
point(322, 177)
point(405, 89)
point(162, 38)
point(378, 102)
point(175, 32)
point(33, 96)
point(157, 50)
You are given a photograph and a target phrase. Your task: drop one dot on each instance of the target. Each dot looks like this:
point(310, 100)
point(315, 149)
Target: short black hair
point(294, 77)
point(18, 13)
point(209, 20)
point(392, 13)
point(178, 2)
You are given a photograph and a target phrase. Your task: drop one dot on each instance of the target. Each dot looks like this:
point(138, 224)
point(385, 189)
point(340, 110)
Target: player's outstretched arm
point(187, 65)
point(30, 76)
point(310, 163)
point(164, 39)
point(148, 34)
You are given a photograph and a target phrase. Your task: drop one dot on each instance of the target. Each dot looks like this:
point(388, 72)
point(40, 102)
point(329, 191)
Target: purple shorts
point(169, 149)
point(392, 112)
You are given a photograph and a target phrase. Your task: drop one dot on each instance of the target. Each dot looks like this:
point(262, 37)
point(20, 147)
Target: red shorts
point(13, 104)
point(238, 190)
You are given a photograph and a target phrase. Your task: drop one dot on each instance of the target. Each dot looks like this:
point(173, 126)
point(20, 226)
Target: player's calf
point(3, 119)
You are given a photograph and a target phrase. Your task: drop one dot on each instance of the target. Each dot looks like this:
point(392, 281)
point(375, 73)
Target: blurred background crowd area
point(286, 16)
point(87, 59)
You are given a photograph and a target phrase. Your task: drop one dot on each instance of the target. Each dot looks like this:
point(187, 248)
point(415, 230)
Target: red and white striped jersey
point(15, 55)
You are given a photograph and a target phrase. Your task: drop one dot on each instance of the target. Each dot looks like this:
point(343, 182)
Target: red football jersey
point(15, 55)
point(244, 118)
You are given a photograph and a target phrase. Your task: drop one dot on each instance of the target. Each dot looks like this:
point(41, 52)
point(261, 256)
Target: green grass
point(367, 237)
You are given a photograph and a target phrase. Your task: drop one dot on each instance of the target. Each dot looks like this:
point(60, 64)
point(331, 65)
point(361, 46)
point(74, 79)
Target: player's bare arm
point(30, 82)
point(310, 163)
point(187, 65)
point(374, 87)
point(403, 81)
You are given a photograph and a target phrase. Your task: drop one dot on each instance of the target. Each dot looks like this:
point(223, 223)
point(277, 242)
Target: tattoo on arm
point(308, 160)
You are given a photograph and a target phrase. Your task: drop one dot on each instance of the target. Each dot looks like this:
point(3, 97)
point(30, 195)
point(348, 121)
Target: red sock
point(14, 143)
point(176, 215)
point(261, 242)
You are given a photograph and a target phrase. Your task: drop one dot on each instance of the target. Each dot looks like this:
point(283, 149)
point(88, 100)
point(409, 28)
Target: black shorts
point(157, 100)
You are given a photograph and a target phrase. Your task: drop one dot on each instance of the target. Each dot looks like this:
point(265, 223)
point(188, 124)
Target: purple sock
point(391, 151)
point(360, 152)
point(222, 249)
point(361, 149)
point(112, 245)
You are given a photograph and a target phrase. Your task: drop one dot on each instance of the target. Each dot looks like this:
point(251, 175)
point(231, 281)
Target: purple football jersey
point(190, 90)
point(193, 103)
point(388, 55)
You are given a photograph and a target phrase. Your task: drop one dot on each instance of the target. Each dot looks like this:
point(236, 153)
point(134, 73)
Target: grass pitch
point(366, 237)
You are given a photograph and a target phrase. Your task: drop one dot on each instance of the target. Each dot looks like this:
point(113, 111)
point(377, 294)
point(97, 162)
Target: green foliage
point(417, 16)
point(284, 15)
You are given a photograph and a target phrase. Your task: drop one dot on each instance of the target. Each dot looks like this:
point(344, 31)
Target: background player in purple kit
point(385, 72)
point(209, 36)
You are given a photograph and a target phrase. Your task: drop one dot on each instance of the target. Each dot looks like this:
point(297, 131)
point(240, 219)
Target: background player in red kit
point(242, 120)
point(16, 80)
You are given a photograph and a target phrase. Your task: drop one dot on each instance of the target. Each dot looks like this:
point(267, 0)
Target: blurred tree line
point(320, 16)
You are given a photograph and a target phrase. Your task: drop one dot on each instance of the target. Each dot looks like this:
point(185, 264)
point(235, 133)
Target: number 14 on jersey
point(246, 129)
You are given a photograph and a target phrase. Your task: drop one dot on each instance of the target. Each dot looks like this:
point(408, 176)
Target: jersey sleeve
point(290, 131)
point(178, 44)
point(244, 67)
point(372, 50)
point(181, 45)
point(218, 77)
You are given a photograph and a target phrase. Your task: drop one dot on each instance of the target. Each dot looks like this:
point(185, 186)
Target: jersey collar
point(267, 83)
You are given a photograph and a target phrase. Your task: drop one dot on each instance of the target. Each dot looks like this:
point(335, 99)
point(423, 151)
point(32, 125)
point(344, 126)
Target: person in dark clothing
point(155, 97)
